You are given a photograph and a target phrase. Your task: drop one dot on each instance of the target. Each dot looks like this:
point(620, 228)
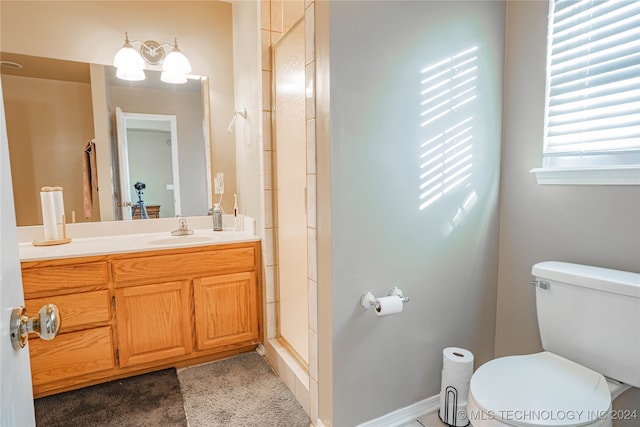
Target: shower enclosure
point(290, 184)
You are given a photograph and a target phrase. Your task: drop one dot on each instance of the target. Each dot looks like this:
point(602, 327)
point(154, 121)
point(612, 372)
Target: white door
point(16, 396)
point(123, 165)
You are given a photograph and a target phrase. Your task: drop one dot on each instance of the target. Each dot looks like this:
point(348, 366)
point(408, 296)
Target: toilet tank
point(591, 315)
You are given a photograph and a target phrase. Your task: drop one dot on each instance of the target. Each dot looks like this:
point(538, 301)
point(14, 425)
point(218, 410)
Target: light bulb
point(128, 57)
point(175, 62)
point(129, 62)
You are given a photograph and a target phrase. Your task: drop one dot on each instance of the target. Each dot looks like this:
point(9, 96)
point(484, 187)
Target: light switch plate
point(218, 183)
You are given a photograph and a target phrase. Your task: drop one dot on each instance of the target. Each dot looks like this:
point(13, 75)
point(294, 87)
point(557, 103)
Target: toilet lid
point(540, 389)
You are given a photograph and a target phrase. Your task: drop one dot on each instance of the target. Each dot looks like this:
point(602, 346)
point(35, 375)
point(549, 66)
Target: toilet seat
point(541, 389)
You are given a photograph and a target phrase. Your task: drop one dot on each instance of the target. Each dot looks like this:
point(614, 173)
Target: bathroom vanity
point(156, 302)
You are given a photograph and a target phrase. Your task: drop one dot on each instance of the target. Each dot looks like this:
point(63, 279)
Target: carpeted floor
point(241, 391)
point(152, 400)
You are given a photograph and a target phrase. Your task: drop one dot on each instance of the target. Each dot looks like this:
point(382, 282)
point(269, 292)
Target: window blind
point(593, 83)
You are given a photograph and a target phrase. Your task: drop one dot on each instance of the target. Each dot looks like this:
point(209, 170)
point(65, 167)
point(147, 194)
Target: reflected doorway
point(148, 165)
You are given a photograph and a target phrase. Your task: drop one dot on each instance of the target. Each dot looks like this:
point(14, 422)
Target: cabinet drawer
point(76, 310)
point(178, 266)
point(71, 355)
point(41, 282)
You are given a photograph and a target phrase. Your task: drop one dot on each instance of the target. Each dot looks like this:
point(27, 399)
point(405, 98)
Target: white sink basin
point(182, 240)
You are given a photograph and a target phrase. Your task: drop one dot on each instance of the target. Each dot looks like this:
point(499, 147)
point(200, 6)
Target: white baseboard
point(406, 415)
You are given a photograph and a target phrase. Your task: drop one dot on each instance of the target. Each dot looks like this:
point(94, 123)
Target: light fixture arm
point(150, 49)
point(152, 52)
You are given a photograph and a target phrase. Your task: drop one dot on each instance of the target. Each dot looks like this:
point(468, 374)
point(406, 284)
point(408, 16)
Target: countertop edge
point(129, 243)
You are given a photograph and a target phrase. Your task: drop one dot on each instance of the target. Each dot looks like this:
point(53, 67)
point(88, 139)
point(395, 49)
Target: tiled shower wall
point(277, 17)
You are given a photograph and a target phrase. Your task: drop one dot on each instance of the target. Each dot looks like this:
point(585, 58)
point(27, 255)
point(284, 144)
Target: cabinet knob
point(45, 324)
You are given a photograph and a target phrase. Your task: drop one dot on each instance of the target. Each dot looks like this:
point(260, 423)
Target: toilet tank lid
point(603, 279)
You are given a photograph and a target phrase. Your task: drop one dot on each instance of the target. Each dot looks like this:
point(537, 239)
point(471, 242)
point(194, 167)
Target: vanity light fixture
point(130, 63)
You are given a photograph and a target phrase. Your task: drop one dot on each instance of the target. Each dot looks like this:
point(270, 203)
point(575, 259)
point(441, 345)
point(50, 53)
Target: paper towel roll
point(388, 305)
point(58, 203)
point(457, 369)
point(48, 213)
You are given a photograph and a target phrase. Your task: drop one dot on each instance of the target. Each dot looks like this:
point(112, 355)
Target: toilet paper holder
point(368, 300)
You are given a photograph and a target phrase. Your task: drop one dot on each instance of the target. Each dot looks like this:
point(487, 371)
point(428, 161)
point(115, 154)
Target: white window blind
point(593, 85)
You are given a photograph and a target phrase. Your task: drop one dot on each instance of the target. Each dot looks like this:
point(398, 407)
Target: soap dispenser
point(217, 218)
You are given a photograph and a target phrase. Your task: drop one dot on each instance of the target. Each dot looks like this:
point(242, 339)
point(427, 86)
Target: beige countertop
point(90, 246)
point(117, 238)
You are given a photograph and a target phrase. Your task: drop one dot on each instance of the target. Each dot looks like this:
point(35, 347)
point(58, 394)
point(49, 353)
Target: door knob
point(45, 324)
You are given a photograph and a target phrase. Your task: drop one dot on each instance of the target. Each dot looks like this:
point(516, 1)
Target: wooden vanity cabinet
point(126, 314)
point(84, 345)
point(161, 299)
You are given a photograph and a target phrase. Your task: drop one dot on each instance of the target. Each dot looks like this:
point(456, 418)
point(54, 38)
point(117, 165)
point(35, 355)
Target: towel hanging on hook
point(89, 177)
point(242, 113)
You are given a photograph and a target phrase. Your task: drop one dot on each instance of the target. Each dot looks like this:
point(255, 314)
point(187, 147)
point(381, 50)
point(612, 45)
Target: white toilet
point(589, 321)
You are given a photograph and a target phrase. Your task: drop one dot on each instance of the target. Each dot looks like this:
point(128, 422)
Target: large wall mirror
point(49, 112)
point(170, 137)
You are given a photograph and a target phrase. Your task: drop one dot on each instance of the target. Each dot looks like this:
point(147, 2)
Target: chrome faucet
point(183, 229)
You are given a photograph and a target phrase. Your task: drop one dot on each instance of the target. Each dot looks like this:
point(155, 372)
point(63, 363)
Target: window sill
point(621, 175)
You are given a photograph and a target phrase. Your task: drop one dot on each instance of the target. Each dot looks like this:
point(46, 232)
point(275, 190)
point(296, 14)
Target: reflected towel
point(89, 177)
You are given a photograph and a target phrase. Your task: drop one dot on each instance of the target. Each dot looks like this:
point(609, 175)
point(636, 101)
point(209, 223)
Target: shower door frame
point(302, 359)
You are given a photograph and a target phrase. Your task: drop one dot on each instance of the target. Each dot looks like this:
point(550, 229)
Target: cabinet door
point(153, 322)
point(226, 309)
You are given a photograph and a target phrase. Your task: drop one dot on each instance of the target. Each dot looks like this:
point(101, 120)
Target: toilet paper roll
point(58, 203)
point(388, 305)
point(48, 213)
point(457, 368)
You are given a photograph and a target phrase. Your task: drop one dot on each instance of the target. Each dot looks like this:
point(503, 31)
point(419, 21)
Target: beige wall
point(92, 31)
point(322, 127)
point(248, 133)
point(595, 225)
point(50, 123)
